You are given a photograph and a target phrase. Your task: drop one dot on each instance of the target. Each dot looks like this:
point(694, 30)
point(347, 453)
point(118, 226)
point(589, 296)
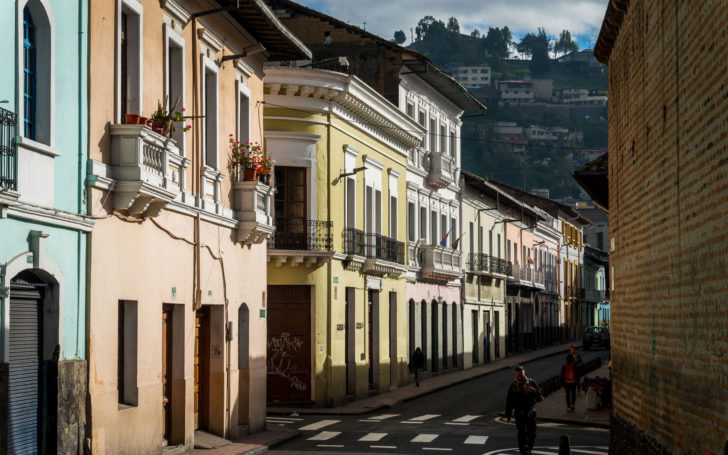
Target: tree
point(532, 42)
point(453, 26)
point(495, 43)
point(400, 37)
point(422, 26)
point(540, 62)
point(475, 33)
point(564, 44)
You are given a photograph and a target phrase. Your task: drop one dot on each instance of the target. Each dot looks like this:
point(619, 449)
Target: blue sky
point(582, 18)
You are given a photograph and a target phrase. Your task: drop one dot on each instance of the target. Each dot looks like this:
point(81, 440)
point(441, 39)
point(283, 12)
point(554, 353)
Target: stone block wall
point(71, 417)
point(668, 215)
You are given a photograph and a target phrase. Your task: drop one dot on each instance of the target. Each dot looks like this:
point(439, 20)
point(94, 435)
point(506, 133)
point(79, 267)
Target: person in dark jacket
point(570, 381)
point(523, 394)
point(416, 362)
point(578, 362)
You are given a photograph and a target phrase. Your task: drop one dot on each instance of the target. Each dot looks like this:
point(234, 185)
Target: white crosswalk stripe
point(422, 418)
point(587, 451)
point(318, 425)
point(373, 437)
point(479, 440)
point(466, 418)
point(378, 418)
point(424, 437)
point(324, 436)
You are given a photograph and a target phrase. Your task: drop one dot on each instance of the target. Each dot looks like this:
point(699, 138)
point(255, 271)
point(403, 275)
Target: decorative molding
point(51, 216)
point(242, 66)
point(209, 40)
point(372, 163)
point(393, 172)
point(176, 11)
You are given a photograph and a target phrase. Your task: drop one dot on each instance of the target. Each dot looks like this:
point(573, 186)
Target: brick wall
point(668, 200)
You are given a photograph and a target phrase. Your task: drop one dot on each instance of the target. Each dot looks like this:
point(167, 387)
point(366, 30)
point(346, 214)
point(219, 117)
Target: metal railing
point(300, 234)
point(479, 262)
point(8, 150)
point(594, 295)
point(373, 246)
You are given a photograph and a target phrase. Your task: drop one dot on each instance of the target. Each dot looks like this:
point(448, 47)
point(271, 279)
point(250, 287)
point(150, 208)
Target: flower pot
point(163, 127)
point(131, 119)
point(158, 129)
point(250, 173)
point(143, 121)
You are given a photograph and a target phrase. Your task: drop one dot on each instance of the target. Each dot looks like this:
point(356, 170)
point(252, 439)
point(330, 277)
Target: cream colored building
point(177, 293)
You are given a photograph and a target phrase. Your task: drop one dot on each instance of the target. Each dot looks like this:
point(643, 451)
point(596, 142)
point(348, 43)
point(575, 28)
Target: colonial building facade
point(337, 262)
point(43, 226)
point(177, 293)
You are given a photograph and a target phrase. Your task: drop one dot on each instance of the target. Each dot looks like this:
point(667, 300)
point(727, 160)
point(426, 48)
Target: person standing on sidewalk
point(578, 362)
point(523, 394)
point(570, 380)
point(416, 362)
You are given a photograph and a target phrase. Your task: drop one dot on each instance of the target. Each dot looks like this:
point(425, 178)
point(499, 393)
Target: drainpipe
point(197, 155)
point(81, 171)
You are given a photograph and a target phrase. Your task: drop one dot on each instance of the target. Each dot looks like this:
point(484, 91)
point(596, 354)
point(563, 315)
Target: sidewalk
point(252, 444)
point(427, 386)
point(553, 408)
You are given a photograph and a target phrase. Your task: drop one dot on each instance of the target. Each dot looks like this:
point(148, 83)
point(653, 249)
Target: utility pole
point(412, 35)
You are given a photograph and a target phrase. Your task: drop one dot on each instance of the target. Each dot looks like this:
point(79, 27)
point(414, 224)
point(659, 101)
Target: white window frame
point(46, 55)
point(243, 92)
point(208, 64)
point(134, 92)
point(172, 37)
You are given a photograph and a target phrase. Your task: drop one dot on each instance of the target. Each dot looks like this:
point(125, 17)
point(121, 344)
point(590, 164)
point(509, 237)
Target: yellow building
point(337, 314)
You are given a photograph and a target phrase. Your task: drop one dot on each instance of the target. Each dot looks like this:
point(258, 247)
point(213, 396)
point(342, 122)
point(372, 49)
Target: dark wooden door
point(202, 368)
point(486, 336)
point(290, 208)
point(289, 344)
point(167, 369)
point(474, 318)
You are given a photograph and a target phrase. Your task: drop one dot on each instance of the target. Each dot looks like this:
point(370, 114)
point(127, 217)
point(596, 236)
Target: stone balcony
point(374, 254)
point(148, 169)
point(439, 264)
point(299, 241)
point(441, 170)
point(252, 209)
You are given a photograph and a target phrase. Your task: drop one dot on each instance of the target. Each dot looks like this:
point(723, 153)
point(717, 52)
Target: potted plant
point(162, 121)
point(265, 168)
point(249, 158)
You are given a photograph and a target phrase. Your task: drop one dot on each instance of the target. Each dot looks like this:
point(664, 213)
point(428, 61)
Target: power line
point(461, 138)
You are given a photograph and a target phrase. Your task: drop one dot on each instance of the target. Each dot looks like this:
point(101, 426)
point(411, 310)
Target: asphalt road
point(463, 419)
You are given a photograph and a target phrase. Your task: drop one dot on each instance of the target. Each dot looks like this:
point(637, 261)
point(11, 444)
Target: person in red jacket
point(570, 380)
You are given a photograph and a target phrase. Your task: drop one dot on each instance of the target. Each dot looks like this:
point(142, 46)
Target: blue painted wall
point(65, 246)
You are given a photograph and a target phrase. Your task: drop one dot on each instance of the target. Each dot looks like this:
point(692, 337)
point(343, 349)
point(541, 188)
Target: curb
point(581, 423)
point(291, 435)
point(323, 411)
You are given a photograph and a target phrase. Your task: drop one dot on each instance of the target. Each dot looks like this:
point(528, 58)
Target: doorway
point(496, 322)
point(33, 368)
point(474, 318)
point(202, 369)
point(289, 344)
point(435, 335)
point(373, 338)
point(167, 343)
point(444, 336)
point(486, 336)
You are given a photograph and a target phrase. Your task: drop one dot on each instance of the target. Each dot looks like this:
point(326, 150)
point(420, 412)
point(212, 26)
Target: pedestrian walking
point(523, 394)
point(570, 381)
point(417, 361)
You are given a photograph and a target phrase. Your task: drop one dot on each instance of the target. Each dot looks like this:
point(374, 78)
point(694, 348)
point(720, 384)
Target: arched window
point(243, 336)
point(35, 71)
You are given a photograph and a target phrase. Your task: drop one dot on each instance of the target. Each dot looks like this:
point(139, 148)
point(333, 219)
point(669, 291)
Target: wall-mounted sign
point(262, 313)
point(339, 326)
point(336, 280)
point(359, 325)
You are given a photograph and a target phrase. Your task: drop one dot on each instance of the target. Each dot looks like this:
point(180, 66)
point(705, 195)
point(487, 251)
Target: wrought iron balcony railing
point(373, 246)
point(8, 150)
point(300, 234)
point(485, 263)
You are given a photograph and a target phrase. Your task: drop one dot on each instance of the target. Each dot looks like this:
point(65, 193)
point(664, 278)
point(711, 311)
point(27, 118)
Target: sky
point(583, 18)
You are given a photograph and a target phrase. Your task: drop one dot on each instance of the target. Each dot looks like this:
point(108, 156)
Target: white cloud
point(582, 18)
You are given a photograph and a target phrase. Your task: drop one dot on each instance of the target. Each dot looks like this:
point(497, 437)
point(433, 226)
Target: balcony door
point(290, 208)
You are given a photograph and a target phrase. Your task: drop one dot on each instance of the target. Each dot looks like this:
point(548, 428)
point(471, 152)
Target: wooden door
point(167, 369)
point(486, 336)
point(289, 344)
point(202, 368)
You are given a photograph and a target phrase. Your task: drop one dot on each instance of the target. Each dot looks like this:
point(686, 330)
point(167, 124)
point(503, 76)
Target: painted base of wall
point(626, 438)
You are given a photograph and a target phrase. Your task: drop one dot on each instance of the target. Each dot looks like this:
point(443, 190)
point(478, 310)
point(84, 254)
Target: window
point(490, 243)
point(480, 239)
point(508, 250)
point(600, 240)
point(443, 227)
point(453, 143)
point(127, 353)
point(290, 199)
point(515, 252)
point(393, 217)
point(471, 232)
point(433, 227)
point(130, 59)
point(443, 139)
point(368, 217)
point(175, 79)
point(350, 203)
point(410, 110)
point(433, 135)
point(210, 111)
point(423, 223)
point(411, 221)
point(499, 246)
point(378, 212)
point(454, 234)
point(421, 121)
point(29, 74)
point(243, 112)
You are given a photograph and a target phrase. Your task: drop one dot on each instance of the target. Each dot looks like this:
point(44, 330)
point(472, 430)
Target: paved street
point(462, 419)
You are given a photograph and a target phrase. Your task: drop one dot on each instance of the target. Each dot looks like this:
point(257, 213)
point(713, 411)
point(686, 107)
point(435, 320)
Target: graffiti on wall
point(282, 352)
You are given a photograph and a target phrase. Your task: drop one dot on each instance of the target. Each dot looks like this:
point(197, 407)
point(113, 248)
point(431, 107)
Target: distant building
point(598, 100)
point(511, 133)
point(549, 134)
point(543, 90)
point(517, 91)
point(582, 61)
point(475, 76)
point(568, 94)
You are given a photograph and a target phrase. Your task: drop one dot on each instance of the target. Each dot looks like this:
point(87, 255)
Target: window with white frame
point(175, 79)
point(443, 226)
point(393, 217)
point(210, 122)
point(421, 121)
point(433, 135)
point(369, 217)
point(129, 55)
point(453, 230)
point(453, 143)
point(410, 110)
point(443, 139)
point(350, 203)
point(377, 212)
point(423, 223)
point(433, 228)
point(243, 111)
